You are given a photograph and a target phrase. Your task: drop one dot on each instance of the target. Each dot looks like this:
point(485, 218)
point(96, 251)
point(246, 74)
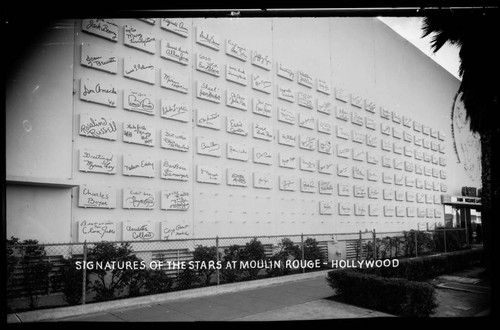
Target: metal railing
point(53, 275)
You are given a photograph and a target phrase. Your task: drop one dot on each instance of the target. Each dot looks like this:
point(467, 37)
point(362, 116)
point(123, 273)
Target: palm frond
point(474, 34)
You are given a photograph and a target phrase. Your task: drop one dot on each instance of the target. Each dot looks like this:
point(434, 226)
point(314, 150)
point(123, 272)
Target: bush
point(287, 251)
point(150, 281)
point(253, 250)
point(421, 268)
point(311, 250)
point(110, 283)
point(205, 255)
point(36, 270)
point(233, 274)
point(12, 258)
point(187, 279)
point(425, 242)
point(455, 240)
point(394, 296)
point(70, 280)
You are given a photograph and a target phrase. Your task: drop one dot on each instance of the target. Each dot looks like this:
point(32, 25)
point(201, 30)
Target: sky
point(410, 28)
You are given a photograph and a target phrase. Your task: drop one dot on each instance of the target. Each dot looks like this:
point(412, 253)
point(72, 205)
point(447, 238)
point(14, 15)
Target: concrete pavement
point(299, 300)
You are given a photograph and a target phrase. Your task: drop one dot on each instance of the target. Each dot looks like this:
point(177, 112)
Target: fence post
point(416, 243)
point(302, 248)
point(218, 259)
point(360, 245)
point(375, 253)
point(444, 235)
point(84, 281)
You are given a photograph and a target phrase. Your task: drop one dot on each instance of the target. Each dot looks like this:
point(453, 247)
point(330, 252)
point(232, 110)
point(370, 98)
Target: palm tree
point(474, 33)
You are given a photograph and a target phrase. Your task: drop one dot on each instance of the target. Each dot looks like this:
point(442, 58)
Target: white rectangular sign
point(138, 70)
point(261, 83)
point(138, 101)
point(305, 79)
point(236, 100)
point(99, 58)
point(169, 81)
point(236, 177)
point(325, 207)
point(138, 198)
point(237, 151)
point(288, 183)
point(308, 185)
point(98, 92)
point(287, 116)
point(138, 231)
point(208, 92)
point(174, 230)
point(174, 110)
point(261, 60)
point(208, 146)
point(105, 28)
point(286, 94)
point(139, 39)
point(262, 156)
point(236, 126)
point(97, 161)
point(207, 39)
point(262, 131)
point(262, 180)
point(325, 187)
point(208, 118)
point(176, 26)
point(96, 197)
point(174, 200)
point(135, 165)
point(236, 74)
point(174, 52)
point(207, 64)
point(208, 174)
point(262, 108)
point(235, 49)
point(174, 170)
point(174, 140)
point(139, 134)
point(97, 127)
point(96, 231)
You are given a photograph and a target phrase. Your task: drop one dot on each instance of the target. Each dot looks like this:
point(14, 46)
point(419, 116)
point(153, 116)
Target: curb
point(64, 312)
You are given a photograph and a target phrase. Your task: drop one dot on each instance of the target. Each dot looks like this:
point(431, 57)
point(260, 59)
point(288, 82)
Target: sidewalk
point(299, 300)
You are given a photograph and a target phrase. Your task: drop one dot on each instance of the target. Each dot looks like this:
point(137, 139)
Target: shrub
point(455, 240)
point(110, 283)
point(232, 274)
point(311, 250)
point(187, 279)
point(394, 296)
point(36, 270)
point(421, 268)
point(253, 250)
point(205, 255)
point(70, 281)
point(287, 251)
point(13, 258)
point(150, 281)
point(425, 242)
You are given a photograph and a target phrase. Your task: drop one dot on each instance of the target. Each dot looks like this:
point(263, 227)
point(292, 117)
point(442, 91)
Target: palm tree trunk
point(490, 142)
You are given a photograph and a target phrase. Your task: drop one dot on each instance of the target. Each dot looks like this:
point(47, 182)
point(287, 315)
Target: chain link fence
point(54, 275)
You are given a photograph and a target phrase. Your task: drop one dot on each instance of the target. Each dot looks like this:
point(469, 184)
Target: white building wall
point(361, 56)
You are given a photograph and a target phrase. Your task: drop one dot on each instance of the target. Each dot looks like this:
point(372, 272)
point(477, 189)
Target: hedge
point(422, 268)
point(391, 295)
